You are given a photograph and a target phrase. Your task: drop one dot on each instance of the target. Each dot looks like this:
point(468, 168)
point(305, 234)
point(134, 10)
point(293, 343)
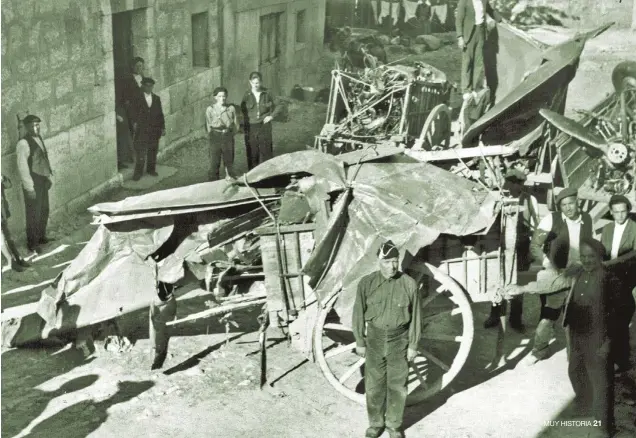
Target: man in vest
point(556, 244)
point(35, 172)
point(528, 221)
point(619, 240)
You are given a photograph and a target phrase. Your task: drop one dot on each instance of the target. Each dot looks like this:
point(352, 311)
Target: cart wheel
point(436, 132)
point(447, 336)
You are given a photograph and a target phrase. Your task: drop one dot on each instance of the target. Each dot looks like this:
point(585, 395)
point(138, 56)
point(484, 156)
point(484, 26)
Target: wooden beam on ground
point(454, 154)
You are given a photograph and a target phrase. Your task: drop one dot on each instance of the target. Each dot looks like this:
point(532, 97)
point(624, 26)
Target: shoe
point(529, 360)
point(374, 432)
point(136, 177)
point(394, 433)
point(122, 166)
point(45, 240)
point(33, 250)
point(622, 368)
point(23, 263)
point(17, 267)
point(491, 322)
point(153, 174)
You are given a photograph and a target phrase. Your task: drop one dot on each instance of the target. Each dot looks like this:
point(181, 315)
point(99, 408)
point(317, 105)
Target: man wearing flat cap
point(35, 173)
point(387, 327)
point(149, 127)
point(556, 244)
point(619, 240)
point(527, 223)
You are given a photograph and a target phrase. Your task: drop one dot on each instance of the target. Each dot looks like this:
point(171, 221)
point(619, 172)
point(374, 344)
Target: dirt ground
point(209, 389)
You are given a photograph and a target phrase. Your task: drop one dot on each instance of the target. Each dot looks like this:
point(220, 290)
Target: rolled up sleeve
point(22, 153)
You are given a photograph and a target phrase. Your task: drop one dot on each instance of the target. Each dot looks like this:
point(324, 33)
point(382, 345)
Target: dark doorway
point(123, 53)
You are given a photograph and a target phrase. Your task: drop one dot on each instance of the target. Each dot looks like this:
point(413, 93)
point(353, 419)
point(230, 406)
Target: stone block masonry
point(58, 63)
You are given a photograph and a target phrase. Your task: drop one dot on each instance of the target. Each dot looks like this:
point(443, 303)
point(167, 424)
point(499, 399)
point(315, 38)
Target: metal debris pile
point(370, 107)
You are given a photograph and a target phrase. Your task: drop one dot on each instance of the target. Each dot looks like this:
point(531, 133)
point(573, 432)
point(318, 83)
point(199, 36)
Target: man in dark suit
point(470, 24)
point(129, 89)
point(619, 240)
point(149, 126)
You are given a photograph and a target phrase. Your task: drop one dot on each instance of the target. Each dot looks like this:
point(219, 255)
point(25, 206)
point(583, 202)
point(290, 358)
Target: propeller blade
point(574, 129)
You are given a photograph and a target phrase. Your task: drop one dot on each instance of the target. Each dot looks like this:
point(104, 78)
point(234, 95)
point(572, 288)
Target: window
point(270, 37)
point(200, 40)
point(300, 27)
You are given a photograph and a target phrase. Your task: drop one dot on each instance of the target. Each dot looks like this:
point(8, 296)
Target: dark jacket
point(254, 112)
point(465, 17)
point(601, 313)
point(625, 269)
point(150, 121)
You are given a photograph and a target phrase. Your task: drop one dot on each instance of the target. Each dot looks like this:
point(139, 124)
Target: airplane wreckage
point(305, 225)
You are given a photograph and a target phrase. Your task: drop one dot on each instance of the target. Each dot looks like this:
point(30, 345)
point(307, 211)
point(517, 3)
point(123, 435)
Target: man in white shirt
point(35, 173)
point(556, 244)
point(619, 240)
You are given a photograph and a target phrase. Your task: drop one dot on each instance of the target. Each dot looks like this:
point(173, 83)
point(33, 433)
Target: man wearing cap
point(35, 173)
point(149, 126)
point(528, 222)
point(387, 327)
point(556, 244)
point(619, 240)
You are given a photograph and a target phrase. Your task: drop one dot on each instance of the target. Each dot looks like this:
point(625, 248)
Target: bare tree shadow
point(82, 418)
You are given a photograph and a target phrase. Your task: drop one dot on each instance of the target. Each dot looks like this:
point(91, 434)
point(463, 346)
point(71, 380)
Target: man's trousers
point(620, 348)
point(221, 145)
point(146, 149)
point(161, 312)
point(386, 374)
point(37, 211)
point(592, 377)
point(258, 143)
point(472, 78)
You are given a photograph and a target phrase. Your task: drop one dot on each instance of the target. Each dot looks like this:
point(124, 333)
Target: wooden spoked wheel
point(447, 337)
point(436, 132)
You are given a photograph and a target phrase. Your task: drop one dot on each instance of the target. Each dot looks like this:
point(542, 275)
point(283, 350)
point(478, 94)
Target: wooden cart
point(453, 273)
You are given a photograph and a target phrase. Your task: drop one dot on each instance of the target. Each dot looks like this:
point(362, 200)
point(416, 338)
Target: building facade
point(61, 60)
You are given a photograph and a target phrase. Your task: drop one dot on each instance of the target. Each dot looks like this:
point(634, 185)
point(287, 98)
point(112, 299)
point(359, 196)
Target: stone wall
point(57, 63)
point(296, 64)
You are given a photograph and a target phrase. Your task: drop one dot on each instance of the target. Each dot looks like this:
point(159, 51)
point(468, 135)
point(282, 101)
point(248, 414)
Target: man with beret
point(556, 244)
point(619, 240)
point(527, 223)
point(149, 127)
point(387, 327)
point(35, 173)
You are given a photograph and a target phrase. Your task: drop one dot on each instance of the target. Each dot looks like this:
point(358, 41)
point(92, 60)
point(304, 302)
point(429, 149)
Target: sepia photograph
point(318, 218)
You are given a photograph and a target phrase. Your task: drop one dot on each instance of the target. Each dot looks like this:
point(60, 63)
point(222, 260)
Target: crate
point(288, 289)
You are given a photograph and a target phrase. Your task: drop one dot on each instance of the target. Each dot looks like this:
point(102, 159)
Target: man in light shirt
point(556, 244)
point(619, 240)
point(35, 173)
